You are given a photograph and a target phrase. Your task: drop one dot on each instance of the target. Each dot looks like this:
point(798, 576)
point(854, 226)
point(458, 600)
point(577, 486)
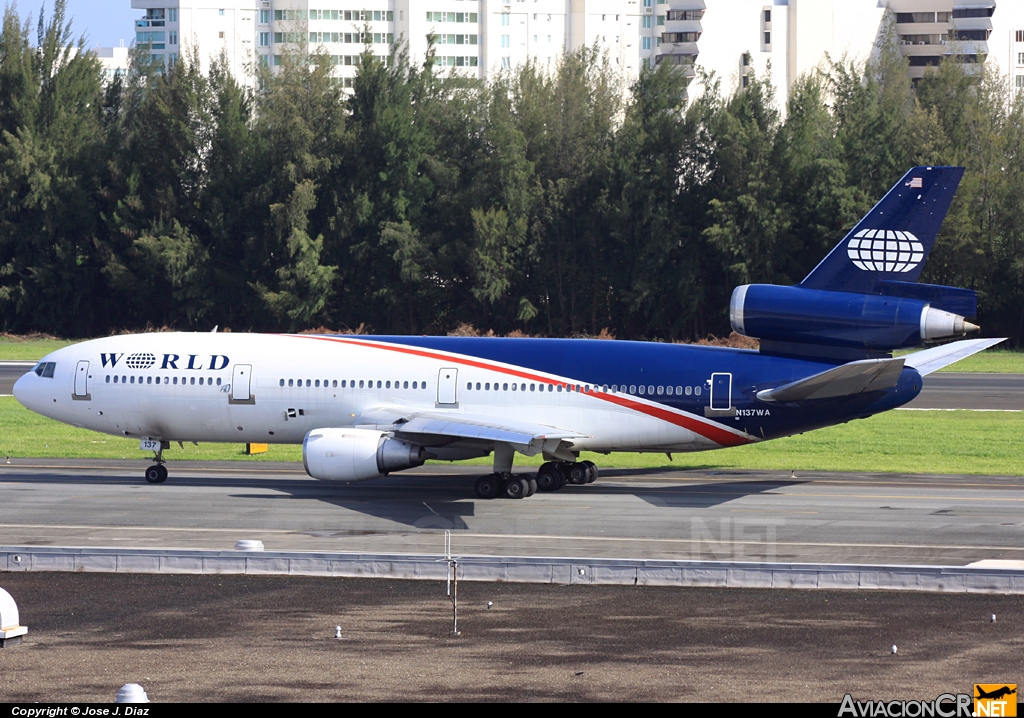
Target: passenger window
point(387, 385)
point(533, 387)
point(378, 383)
point(414, 385)
point(308, 382)
point(335, 383)
point(282, 383)
point(133, 380)
point(513, 387)
point(360, 383)
point(559, 388)
point(661, 390)
point(200, 381)
point(551, 387)
point(696, 390)
point(405, 385)
point(192, 381)
point(344, 382)
point(642, 390)
point(108, 378)
point(317, 383)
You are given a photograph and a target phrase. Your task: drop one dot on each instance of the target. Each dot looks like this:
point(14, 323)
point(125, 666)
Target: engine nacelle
point(839, 319)
point(356, 454)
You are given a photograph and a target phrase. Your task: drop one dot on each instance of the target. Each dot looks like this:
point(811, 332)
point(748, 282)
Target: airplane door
point(721, 392)
point(82, 380)
point(447, 383)
point(241, 375)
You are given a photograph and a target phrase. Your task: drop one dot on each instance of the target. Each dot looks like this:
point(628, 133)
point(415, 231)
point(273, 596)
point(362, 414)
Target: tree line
point(544, 201)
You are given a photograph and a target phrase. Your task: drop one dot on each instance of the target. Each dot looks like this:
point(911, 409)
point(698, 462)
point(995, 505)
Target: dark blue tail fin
point(893, 240)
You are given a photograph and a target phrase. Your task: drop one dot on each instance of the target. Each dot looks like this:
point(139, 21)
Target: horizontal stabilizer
point(855, 377)
point(933, 359)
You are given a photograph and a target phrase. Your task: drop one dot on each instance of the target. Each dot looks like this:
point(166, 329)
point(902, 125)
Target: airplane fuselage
point(616, 395)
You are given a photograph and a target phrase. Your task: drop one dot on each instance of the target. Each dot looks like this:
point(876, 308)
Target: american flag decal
point(915, 183)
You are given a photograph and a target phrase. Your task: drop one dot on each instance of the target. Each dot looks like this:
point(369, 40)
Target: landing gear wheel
point(487, 487)
point(578, 473)
point(516, 488)
point(592, 471)
point(532, 484)
point(156, 474)
point(550, 477)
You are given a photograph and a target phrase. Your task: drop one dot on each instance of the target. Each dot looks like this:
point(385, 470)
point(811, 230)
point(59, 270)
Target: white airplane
point(365, 406)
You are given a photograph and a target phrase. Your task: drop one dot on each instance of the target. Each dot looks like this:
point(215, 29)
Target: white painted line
point(552, 537)
point(1008, 411)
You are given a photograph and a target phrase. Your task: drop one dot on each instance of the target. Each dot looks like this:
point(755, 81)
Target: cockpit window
point(45, 369)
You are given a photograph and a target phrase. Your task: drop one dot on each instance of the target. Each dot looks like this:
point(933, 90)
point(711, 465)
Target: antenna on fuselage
point(214, 330)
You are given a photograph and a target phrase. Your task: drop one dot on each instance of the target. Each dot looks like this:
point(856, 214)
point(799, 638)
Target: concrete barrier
point(520, 569)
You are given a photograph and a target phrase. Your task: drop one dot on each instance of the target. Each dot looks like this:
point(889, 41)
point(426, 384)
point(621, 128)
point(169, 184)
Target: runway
point(941, 390)
point(695, 514)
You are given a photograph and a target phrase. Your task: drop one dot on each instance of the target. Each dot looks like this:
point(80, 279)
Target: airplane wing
point(854, 377)
point(933, 359)
point(525, 437)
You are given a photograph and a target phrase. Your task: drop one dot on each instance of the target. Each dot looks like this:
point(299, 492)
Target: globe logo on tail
point(885, 250)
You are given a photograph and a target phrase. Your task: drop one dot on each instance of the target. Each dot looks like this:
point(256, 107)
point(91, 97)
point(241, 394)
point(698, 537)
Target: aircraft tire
point(156, 474)
point(532, 484)
point(577, 473)
point(488, 487)
point(515, 488)
point(549, 477)
point(592, 471)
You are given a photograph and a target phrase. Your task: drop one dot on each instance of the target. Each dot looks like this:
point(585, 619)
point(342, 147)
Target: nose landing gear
point(157, 473)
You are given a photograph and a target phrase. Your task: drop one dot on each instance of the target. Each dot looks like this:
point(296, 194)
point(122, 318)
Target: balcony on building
point(685, 62)
point(683, 21)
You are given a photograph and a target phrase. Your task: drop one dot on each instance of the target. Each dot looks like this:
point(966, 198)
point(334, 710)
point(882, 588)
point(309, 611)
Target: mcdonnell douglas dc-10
point(365, 406)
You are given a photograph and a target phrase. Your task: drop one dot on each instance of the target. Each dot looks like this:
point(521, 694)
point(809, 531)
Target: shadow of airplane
point(421, 501)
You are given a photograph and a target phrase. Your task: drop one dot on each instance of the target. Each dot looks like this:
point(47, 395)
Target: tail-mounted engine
point(356, 454)
point(876, 322)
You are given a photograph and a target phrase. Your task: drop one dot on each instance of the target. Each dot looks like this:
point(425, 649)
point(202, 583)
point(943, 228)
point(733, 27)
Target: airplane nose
point(21, 389)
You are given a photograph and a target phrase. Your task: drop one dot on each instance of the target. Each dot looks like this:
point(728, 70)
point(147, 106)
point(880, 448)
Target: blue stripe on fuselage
point(625, 363)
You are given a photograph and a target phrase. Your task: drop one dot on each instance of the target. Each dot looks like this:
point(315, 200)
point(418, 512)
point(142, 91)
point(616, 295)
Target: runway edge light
point(11, 631)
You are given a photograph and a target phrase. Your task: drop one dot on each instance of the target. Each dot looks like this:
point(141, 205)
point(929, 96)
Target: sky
point(104, 22)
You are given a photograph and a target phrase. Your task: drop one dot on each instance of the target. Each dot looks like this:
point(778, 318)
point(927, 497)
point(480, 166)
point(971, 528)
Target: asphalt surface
point(10, 372)
point(691, 514)
point(941, 390)
point(238, 638)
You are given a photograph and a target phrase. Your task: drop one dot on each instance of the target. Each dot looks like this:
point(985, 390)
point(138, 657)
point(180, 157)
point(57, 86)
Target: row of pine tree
point(557, 203)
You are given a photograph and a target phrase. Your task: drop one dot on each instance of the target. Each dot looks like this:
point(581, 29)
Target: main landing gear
point(551, 476)
point(157, 473)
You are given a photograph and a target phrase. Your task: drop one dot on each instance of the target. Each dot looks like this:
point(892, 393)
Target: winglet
point(933, 359)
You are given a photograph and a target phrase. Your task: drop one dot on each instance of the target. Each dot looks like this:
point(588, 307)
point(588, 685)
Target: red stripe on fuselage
point(717, 434)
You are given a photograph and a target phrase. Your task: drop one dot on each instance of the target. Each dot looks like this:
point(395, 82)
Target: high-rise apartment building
point(731, 38)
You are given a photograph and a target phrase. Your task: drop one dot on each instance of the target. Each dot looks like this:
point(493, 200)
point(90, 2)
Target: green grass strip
point(932, 442)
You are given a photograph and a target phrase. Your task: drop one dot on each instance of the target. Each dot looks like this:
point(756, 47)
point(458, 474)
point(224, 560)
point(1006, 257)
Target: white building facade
point(475, 38)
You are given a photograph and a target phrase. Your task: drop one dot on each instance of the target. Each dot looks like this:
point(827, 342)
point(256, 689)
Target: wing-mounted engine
point(334, 454)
